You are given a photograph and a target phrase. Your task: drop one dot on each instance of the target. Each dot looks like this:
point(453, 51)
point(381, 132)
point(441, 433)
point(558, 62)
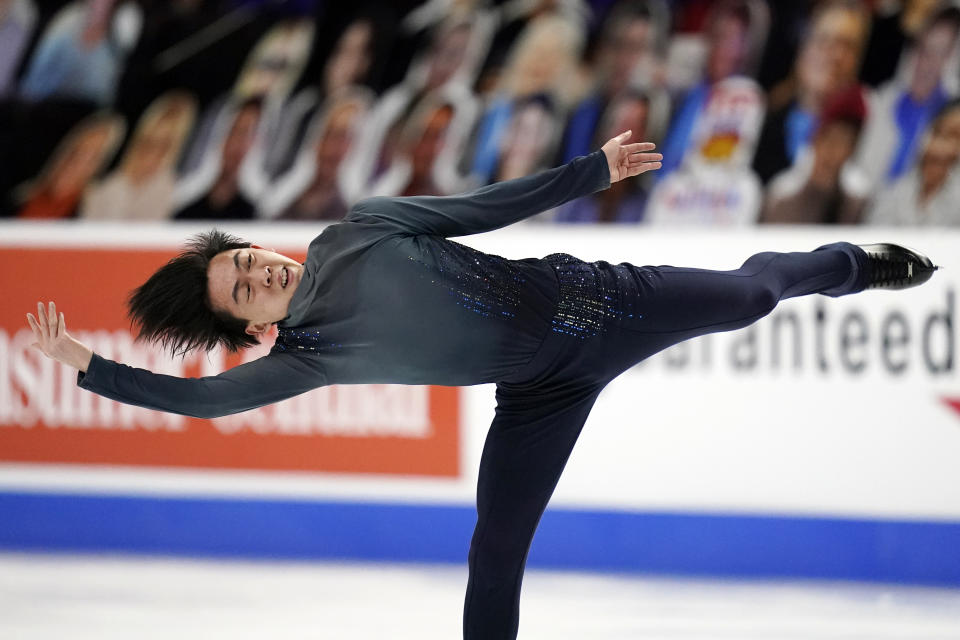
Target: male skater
point(385, 297)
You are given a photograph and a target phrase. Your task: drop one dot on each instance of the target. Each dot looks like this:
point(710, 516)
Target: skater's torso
point(377, 304)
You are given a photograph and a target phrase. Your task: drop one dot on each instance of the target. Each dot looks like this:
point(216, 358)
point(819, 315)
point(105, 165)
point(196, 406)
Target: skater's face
point(253, 284)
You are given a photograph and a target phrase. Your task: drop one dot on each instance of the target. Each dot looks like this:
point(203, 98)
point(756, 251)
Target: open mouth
point(284, 277)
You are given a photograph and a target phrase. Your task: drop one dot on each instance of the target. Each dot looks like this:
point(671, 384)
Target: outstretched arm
point(498, 205)
point(50, 333)
point(269, 379)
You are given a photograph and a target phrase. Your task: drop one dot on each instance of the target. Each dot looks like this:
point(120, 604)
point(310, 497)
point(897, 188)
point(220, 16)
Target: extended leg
point(527, 447)
point(691, 300)
point(661, 306)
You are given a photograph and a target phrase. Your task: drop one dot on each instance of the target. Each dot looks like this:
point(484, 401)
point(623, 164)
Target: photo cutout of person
point(901, 110)
point(895, 27)
point(512, 21)
point(143, 186)
point(82, 52)
point(17, 21)
point(824, 186)
point(419, 151)
point(347, 68)
point(828, 62)
point(276, 62)
point(425, 140)
point(542, 63)
point(715, 186)
point(927, 195)
point(625, 201)
point(732, 41)
point(58, 190)
point(269, 74)
point(529, 139)
point(629, 54)
point(216, 191)
point(351, 59)
point(311, 189)
point(447, 66)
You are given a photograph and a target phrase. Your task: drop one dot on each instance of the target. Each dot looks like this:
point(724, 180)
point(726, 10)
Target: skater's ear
point(257, 329)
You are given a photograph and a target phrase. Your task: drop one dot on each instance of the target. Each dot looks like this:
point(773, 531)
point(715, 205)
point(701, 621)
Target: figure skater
point(385, 297)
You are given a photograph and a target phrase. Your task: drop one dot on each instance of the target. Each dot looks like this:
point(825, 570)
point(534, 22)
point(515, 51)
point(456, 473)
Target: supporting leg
point(525, 452)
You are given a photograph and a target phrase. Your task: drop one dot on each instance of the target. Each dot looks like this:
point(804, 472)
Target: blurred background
point(793, 112)
point(797, 479)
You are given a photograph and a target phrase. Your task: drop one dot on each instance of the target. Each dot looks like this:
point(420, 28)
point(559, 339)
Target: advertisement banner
point(45, 417)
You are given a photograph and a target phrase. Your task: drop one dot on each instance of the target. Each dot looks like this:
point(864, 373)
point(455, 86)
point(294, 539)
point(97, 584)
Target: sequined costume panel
point(590, 296)
point(479, 282)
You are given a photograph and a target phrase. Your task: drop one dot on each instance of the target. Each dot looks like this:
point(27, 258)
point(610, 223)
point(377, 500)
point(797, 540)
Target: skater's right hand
point(628, 160)
point(50, 332)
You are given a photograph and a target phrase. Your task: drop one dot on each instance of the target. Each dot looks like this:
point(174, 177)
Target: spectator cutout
point(446, 68)
point(823, 187)
point(513, 19)
point(142, 188)
point(735, 35)
point(628, 56)
point(312, 190)
point(902, 109)
point(275, 64)
point(224, 197)
point(415, 161)
point(17, 20)
point(57, 191)
point(268, 75)
point(541, 64)
point(714, 185)
point(82, 52)
point(896, 26)
point(929, 194)
point(827, 63)
point(346, 68)
point(624, 201)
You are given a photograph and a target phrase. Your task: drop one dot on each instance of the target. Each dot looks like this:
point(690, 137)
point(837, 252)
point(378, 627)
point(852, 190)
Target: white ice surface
point(57, 597)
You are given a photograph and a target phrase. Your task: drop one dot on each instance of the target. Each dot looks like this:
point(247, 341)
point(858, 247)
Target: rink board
point(823, 442)
point(660, 543)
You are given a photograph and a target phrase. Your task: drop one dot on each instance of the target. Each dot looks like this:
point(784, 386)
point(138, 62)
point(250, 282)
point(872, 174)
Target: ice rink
point(56, 597)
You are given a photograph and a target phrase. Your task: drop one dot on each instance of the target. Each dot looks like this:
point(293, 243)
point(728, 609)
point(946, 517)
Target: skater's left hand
point(627, 160)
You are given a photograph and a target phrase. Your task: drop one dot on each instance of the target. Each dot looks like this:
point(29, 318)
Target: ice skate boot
point(896, 267)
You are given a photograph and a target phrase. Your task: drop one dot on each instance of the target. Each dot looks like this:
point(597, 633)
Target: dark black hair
point(173, 307)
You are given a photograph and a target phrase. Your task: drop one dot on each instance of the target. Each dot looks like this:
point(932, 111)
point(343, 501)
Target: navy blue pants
point(609, 318)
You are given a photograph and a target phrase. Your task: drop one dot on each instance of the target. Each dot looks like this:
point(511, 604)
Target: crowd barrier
point(821, 442)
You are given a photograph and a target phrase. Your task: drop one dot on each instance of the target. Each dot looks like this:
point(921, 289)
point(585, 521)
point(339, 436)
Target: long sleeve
point(490, 207)
point(269, 379)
